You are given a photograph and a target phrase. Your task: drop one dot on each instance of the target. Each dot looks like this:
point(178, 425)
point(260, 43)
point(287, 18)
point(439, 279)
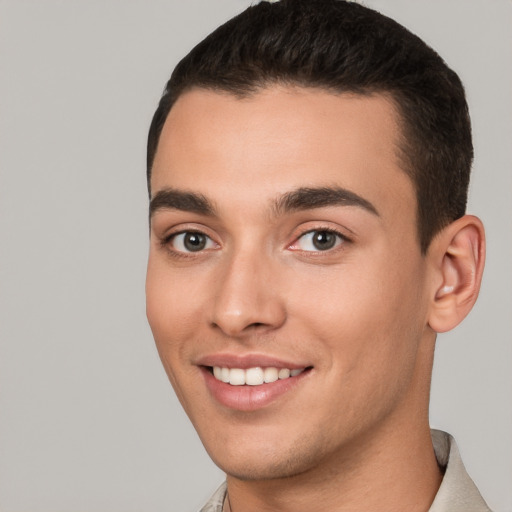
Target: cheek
point(172, 301)
point(170, 313)
point(390, 326)
point(171, 316)
point(368, 315)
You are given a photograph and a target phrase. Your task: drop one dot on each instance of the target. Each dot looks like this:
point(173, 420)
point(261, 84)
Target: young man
point(308, 168)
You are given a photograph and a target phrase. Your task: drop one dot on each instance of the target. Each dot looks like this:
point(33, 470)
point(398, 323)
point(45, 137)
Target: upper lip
point(247, 361)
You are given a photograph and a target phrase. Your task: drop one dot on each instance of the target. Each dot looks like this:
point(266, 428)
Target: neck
point(401, 475)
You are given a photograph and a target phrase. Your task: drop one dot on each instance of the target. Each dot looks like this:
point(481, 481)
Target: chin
point(274, 461)
point(263, 470)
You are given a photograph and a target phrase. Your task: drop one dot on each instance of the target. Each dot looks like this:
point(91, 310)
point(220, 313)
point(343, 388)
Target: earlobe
point(458, 253)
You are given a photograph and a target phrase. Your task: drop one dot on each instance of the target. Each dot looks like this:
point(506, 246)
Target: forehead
point(282, 138)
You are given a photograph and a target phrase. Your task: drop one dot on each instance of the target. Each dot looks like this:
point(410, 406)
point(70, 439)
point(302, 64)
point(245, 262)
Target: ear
point(458, 255)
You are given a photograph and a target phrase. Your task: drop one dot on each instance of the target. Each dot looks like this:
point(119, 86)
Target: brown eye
point(191, 241)
point(194, 241)
point(324, 240)
point(319, 240)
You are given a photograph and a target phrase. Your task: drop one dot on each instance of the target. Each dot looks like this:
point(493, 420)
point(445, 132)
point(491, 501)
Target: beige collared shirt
point(457, 493)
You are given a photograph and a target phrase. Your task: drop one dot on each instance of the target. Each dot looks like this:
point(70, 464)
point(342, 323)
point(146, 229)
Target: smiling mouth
point(253, 376)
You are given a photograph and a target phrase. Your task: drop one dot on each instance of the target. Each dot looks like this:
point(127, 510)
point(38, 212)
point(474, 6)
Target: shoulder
point(458, 492)
point(216, 502)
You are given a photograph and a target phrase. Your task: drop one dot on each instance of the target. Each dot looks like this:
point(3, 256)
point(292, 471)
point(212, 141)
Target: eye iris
point(324, 240)
point(194, 241)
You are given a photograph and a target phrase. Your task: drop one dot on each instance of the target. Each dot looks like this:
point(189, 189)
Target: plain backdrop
point(88, 421)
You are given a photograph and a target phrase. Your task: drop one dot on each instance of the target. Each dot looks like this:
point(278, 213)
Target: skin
point(353, 434)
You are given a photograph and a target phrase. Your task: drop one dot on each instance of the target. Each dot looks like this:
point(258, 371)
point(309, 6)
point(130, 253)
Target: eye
point(191, 241)
point(318, 240)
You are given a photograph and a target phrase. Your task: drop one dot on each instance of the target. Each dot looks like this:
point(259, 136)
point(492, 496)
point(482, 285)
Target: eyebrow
point(304, 198)
point(307, 198)
point(172, 199)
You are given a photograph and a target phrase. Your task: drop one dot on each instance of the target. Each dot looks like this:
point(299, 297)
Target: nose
point(248, 298)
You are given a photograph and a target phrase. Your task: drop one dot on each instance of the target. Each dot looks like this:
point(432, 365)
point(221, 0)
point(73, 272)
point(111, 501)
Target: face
point(286, 290)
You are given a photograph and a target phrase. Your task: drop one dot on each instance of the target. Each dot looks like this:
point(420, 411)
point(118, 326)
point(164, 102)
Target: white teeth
point(236, 376)
point(284, 373)
point(224, 374)
point(270, 375)
point(253, 376)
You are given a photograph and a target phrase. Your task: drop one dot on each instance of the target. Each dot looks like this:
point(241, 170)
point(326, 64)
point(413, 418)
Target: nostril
point(236, 317)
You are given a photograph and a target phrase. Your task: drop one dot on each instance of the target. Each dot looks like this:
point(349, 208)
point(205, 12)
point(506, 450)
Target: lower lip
point(249, 398)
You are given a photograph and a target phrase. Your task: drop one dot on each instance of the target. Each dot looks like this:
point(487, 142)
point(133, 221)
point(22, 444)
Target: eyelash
point(166, 242)
point(341, 240)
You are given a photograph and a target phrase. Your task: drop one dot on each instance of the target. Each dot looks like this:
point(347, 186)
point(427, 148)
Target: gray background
point(88, 421)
